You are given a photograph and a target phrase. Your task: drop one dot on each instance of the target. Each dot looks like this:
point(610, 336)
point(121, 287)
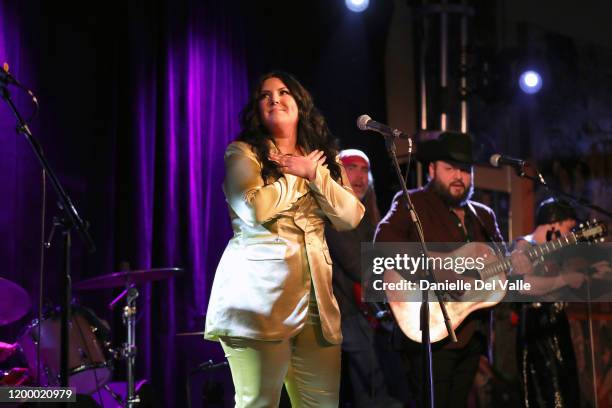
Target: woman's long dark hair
point(312, 134)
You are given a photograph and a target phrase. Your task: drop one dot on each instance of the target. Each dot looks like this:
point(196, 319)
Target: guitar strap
point(498, 246)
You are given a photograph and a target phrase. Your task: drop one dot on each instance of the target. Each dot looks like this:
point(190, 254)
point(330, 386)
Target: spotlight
point(530, 82)
point(357, 5)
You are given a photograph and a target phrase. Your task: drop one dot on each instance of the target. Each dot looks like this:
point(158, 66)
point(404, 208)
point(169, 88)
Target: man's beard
point(451, 200)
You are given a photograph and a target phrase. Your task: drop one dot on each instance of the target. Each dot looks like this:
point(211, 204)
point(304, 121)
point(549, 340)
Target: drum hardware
point(129, 347)
point(115, 354)
point(113, 394)
point(129, 350)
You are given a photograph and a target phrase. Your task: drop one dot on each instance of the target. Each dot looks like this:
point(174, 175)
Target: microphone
point(364, 122)
point(498, 160)
point(6, 77)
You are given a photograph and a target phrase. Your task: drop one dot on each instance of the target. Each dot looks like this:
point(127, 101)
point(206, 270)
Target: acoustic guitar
point(407, 313)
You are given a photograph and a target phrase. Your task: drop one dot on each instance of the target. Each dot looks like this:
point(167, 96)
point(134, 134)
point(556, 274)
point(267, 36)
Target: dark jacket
point(345, 250)
point(440, 224)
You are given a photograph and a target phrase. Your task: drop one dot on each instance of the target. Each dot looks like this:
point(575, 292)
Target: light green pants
point(306, 363)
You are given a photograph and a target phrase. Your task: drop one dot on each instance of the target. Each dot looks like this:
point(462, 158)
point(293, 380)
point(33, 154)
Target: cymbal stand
point(129, 347)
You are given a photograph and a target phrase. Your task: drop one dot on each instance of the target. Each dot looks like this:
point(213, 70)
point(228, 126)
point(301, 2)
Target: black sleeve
point(345, 250)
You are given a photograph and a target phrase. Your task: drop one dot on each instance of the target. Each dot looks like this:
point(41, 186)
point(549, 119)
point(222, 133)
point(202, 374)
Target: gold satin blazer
point(262, 285)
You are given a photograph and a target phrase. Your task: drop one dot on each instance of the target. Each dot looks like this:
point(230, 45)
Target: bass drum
point(89, 369)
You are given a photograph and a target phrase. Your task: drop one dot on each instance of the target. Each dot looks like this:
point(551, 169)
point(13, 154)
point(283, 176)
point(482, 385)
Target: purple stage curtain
point(186, 108)
point(14, 160)
point(186, 111)
point(141, 156)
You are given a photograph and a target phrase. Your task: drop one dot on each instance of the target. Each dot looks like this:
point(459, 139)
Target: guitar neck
point(533, 253)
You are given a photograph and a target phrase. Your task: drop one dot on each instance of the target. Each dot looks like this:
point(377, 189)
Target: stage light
point(357, 5)
point(530, 82)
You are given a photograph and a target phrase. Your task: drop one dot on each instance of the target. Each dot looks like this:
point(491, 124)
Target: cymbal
point(14, 302)
point(123, 279)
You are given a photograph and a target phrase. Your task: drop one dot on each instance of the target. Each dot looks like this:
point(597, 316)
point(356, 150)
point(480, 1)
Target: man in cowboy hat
point(447, 215)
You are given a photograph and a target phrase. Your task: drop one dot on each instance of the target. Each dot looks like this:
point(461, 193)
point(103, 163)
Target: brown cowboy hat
point(453, 147)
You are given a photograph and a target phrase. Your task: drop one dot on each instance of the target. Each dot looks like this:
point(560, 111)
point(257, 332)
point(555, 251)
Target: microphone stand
point(68, 220)
point(428, 386)
point(520, 171)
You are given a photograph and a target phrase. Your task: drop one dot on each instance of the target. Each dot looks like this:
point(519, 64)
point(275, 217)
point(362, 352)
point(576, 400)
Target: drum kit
point(91, 357)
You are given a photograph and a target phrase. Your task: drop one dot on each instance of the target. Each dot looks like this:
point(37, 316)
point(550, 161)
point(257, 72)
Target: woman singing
point(272, 306)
